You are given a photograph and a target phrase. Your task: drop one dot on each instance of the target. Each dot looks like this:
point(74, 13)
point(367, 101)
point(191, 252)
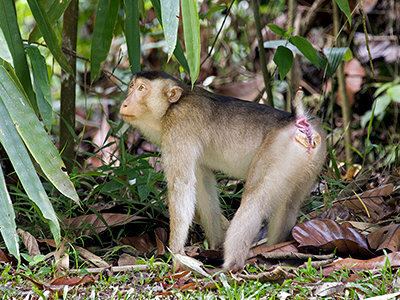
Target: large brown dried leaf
point(358, 264)
point(387, 237)
point(141, 243)
point(290, 246)
point(70, 281)
point(329, 235)
point(4, 258)
point(30, 242)
point(91, 224)
point(370, 203)
point(126, 260)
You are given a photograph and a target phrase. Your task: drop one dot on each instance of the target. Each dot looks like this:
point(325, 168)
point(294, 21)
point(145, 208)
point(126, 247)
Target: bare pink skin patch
point(305, 135)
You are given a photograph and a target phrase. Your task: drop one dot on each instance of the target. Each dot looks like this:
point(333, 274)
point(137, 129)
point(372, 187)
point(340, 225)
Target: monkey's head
point(150, 93)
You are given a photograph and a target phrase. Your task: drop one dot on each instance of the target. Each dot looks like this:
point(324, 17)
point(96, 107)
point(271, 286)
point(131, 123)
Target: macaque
point(278, 154)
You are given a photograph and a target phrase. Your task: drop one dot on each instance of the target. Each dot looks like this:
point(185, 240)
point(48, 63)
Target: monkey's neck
point(150, 129)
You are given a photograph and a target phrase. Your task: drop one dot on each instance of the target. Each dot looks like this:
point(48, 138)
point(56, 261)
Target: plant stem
point(346, 113)
point(68, 96)
point(263, 59)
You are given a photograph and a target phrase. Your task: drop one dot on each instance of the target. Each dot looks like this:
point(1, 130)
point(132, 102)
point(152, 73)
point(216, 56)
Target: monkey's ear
point(174, 94)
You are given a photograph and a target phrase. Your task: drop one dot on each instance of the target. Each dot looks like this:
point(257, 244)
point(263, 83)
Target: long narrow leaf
point(56, 9)
point(191, 33)
point(132, 33)
point(8, 228)
point(9, 26)
point(170, 15)
point(23, 165)
point(106, 17)
point(49, 35)
point(308, 51)
point(34, 136)
point(42, 85)
point(345, 8)
point(178, 52)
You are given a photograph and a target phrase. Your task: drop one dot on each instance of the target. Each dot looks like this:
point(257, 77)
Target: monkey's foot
point(305, 135)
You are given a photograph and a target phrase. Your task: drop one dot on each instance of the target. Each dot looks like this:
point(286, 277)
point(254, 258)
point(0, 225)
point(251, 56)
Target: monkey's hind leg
point(208, 207)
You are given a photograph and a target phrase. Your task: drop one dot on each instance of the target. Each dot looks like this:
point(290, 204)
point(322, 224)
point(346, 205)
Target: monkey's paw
point(234, 264)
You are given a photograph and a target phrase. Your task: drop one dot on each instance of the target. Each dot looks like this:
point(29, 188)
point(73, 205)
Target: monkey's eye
point(141, 87)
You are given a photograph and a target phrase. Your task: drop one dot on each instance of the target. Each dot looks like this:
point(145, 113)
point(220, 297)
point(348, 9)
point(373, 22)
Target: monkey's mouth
point(127, 117)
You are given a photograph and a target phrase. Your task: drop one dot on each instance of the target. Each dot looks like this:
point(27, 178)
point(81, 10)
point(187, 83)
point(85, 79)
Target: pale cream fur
point(195, 140)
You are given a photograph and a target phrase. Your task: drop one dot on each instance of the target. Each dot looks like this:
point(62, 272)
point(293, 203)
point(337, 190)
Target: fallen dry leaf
point(387, 237)
point(30, 242)
point(359, 264)
point(71, 281)
point(290, 246)
point(91, 224)
point(91, 257)
point(141, 243)
point(61, 257)
point(277, 274)
point(190, 264)
point(161, 240)
point(370, 203)
point(126, 259)
point(329, 288)
point(329, 235)
point(4, 258)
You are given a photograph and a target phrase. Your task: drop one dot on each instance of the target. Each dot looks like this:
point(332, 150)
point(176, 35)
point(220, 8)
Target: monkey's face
point(135, 105)
point(148, 99)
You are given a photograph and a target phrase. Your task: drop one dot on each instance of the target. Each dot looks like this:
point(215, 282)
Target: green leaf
point(345, 8)
point(178, 52)
point(382, 102)
point(9, 26)
point(308, 51)
point(8, 228)
point(394, 93)
point(191, 33)
point(42, 85)
point(55, 11)
point(132, 33)
point(284, 60)
point(35, 137)
point(22, 163)
point(276, 29)
point(106, 17)
point(335, 56)
point(170, 16)
point(49, 35)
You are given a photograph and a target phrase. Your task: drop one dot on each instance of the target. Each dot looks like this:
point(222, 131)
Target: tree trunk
point(67, 111)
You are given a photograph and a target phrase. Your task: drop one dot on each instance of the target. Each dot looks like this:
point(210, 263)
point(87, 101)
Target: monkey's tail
point(297, 104)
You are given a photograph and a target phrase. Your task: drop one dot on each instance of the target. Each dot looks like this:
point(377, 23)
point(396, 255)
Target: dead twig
point(294, 255)
point(117, 269)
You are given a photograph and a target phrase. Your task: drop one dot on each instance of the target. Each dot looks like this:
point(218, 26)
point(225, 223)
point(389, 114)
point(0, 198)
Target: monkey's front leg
point(181, 180)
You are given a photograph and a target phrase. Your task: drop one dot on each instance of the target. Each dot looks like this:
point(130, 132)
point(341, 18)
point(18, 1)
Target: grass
point(29, 280)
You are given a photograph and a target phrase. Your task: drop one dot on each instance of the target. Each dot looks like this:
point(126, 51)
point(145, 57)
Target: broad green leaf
point(106, 17)
point(335, 56)
point(284, 60)
point(23, 166)
point(308, 51)
point(11, 72)
point(276, 29)
point(345, 8)
point(49, 35)
point(9, 26)
point(8, 228)
point(276, 43)
point(178, 52)
point(394, 93)
point(42, 85)
point(132, 33)
point(54, 12)
point(170, 16)
point(382, 102)
point(348, 55)
point(35, 137)
point(191, 33)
